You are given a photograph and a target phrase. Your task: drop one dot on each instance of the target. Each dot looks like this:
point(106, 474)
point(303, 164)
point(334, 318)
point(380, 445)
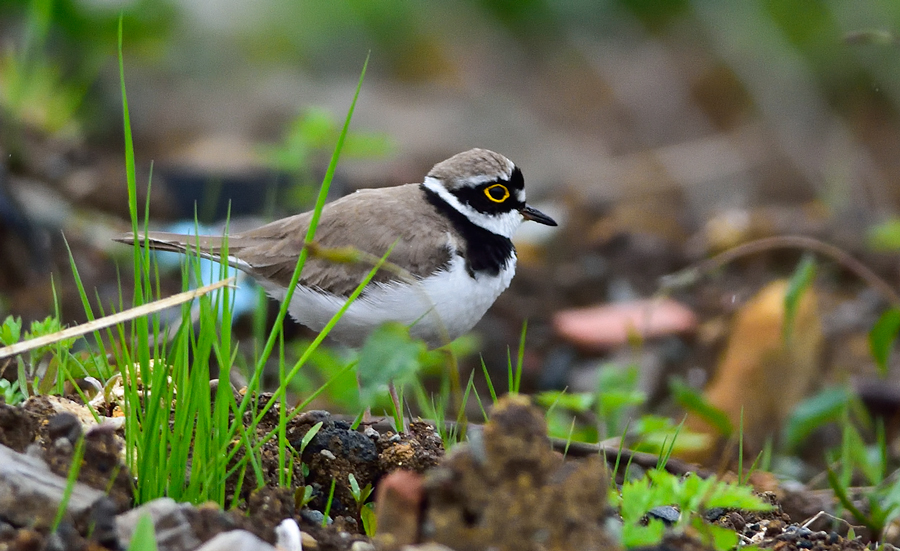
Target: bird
point(450, 247)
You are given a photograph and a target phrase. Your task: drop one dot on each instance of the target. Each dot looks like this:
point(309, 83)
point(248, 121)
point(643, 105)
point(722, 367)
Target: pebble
point(787, 536)
point(362, 546)
point(56, 541)
point(313, 516)
point(309, 542)
point(7, 531)
point(288, 536)
point(369, 432)
point(236, 540)
point(328, 454)
point(666, 513)
point(64, 426)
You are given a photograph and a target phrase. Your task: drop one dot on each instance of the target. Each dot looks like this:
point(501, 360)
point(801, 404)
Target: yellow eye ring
point(487, 191)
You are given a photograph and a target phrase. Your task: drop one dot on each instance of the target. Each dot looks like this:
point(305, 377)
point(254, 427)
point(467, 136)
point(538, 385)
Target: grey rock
point(173, 531)
point(666, 513)
point(103, 519)
point(30, 493)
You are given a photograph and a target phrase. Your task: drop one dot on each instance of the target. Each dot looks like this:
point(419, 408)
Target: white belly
point(438, 309)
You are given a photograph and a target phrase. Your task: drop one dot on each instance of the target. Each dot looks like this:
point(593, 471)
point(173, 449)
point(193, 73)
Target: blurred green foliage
point(882, 337)
point(314, 132)
point(309, 140)
point(55, 49)
point(830, 405)
point(614, 410)
point(76, 27)
point(885, 237)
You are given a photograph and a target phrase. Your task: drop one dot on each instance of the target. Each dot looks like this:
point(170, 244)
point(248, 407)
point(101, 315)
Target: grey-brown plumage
point(270, 252)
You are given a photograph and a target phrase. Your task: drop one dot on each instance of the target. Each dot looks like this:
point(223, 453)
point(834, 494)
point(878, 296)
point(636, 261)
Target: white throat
point(502, 224)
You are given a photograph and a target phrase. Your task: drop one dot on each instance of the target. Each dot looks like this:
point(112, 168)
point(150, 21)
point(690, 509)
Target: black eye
point(497, 193)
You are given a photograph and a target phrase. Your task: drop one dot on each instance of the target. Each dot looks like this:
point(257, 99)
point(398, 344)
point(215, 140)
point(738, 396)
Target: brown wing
point(368, 220)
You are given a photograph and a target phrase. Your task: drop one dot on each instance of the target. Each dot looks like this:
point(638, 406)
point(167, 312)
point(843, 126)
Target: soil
point(506, 488)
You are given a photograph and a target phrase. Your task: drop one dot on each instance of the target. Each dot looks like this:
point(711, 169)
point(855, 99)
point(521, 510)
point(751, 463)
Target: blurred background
point(657, 132)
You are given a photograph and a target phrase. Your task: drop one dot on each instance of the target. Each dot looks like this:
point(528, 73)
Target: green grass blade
point(327, 510)
point(619, 452)
point(800, 282)
point(490, 383)
point(694, 401)
point(520, 359)
point(144, 536)
point(882, 337)
point(71, 480)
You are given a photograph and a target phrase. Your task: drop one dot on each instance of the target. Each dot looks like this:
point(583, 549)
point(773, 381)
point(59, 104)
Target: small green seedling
point(301, 500)
point(360, 495)
point(11, 392)
point(365, 510)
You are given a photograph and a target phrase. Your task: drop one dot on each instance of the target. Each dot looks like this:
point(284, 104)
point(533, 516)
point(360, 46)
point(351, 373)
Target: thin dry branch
point(112, 319)
point(802, 242)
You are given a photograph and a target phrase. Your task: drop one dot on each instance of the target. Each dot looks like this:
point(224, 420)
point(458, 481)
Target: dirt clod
point(333, 454)
point(400, 498)
point(417, 450)
point(18, 427)
point(508, 490)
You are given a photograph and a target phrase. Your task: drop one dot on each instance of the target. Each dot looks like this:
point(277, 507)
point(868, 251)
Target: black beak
point(531, 213)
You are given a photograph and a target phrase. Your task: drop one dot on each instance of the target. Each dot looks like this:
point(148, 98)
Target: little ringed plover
point(451, 235)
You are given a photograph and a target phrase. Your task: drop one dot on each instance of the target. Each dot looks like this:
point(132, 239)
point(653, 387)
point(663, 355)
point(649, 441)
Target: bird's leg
point(398, 408)
point(395, 399)
point(367, 414)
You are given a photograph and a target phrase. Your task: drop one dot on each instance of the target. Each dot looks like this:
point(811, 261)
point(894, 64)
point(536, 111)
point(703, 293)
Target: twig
point(837, 254)
point(110, 320)
point(817, 516)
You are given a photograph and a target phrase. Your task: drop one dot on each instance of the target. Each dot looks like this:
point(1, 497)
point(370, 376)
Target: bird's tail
point(204, 245)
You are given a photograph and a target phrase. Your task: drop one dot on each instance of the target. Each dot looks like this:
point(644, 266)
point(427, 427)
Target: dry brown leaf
point(760, 372)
